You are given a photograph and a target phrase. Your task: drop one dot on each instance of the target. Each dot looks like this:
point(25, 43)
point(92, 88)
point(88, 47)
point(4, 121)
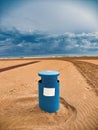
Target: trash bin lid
point(48, 73)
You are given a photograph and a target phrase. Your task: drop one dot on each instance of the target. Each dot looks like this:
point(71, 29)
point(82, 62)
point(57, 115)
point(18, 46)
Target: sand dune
point(19, 95)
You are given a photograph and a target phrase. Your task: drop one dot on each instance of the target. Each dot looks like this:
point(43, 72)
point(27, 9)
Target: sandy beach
point(19, 108)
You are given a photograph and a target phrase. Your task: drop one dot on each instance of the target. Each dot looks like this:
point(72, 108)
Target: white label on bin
point(49, 92)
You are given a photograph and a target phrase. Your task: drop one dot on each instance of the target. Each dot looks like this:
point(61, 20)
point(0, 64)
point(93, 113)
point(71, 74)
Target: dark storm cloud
point(15, 43)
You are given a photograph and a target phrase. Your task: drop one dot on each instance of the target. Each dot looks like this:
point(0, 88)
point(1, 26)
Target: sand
point(19, 108)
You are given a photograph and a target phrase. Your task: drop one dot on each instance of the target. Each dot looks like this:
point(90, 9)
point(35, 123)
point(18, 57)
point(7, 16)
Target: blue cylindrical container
point(49, 93)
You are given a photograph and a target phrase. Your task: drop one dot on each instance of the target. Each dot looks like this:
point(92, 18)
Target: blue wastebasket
point(49, 92)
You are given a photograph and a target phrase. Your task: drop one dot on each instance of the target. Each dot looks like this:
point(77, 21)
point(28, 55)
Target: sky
point(40, 27)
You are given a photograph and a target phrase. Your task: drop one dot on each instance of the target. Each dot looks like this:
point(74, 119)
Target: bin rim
point(48, 73)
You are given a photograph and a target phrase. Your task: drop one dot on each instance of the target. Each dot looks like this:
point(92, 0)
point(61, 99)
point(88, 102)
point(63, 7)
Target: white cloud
point(20, 45)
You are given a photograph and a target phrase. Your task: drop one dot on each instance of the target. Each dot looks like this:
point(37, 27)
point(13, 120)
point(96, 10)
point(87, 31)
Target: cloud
point(16, 43)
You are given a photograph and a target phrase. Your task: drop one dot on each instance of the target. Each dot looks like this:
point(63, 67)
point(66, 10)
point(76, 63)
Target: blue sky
point(53, 16)
point(31, 27)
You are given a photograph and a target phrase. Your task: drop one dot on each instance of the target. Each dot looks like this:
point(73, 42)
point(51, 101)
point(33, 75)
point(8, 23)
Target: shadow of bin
point(49, 93)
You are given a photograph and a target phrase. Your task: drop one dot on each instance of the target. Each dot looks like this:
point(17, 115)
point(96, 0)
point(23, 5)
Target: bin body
point(49, 92)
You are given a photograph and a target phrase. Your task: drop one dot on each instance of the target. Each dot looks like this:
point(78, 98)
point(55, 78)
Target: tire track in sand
point(86, 100)
point(89, 71)
point(87, 109)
